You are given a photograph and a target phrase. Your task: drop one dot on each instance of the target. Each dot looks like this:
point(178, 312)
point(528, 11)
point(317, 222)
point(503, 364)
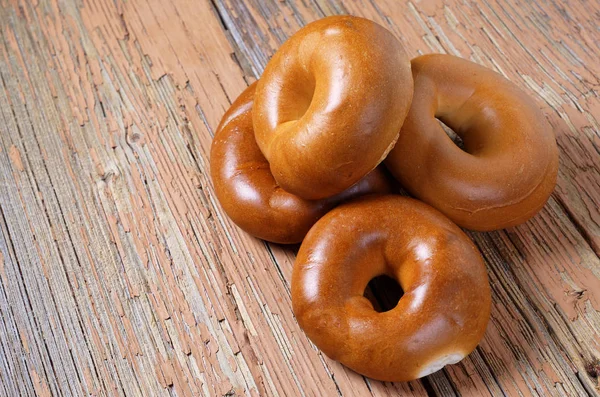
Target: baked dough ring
point(247, 191)
point(509, 165)
point(330, 104)
point(445, 308)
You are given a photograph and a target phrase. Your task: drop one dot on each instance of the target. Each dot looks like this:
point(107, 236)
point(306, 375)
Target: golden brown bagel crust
point(445, 308)
point(510, 162)
point(247, 191)
point(330, 104)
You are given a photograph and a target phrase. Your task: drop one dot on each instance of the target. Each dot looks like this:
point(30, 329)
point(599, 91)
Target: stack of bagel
point(314, 151)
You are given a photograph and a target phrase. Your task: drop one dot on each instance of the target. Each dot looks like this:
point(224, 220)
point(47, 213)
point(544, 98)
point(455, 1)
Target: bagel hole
point(383, 292)
point(452, 135)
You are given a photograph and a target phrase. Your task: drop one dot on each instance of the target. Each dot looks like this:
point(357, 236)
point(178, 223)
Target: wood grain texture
point(121, 275)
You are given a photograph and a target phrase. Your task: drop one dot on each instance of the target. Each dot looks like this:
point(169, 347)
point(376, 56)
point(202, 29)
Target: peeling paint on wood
point(120, 273)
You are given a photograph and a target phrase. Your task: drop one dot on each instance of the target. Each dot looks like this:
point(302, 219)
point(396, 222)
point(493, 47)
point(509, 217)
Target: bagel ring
point(330, 104)
point(247, 191)
point(509, 166)
point(445, 308)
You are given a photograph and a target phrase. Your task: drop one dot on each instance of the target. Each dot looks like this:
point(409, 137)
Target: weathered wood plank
point(119, 272)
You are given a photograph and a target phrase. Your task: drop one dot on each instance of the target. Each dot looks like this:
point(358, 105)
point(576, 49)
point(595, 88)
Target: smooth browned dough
point(330, 104)
point(510, 160)
point(445, 308)
point(251, 197)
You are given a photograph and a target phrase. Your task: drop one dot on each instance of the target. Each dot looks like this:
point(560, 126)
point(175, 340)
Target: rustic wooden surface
point(119, 272)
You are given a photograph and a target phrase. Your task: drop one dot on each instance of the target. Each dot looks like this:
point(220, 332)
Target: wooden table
point(120, 273)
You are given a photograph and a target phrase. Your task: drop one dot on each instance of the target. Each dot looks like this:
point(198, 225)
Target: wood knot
point(133, 137)
point(593, 368)
point(109, 174)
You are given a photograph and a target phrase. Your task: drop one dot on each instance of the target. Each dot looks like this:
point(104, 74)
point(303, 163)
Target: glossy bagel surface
point(251, 197)
point(330, 104)
point(509, 164)
point(445, 308)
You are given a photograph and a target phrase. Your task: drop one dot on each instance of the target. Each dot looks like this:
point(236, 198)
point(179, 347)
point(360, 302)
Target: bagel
point(330, 104)
point(247, 191)
point(445, 308)
point(509, 164)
